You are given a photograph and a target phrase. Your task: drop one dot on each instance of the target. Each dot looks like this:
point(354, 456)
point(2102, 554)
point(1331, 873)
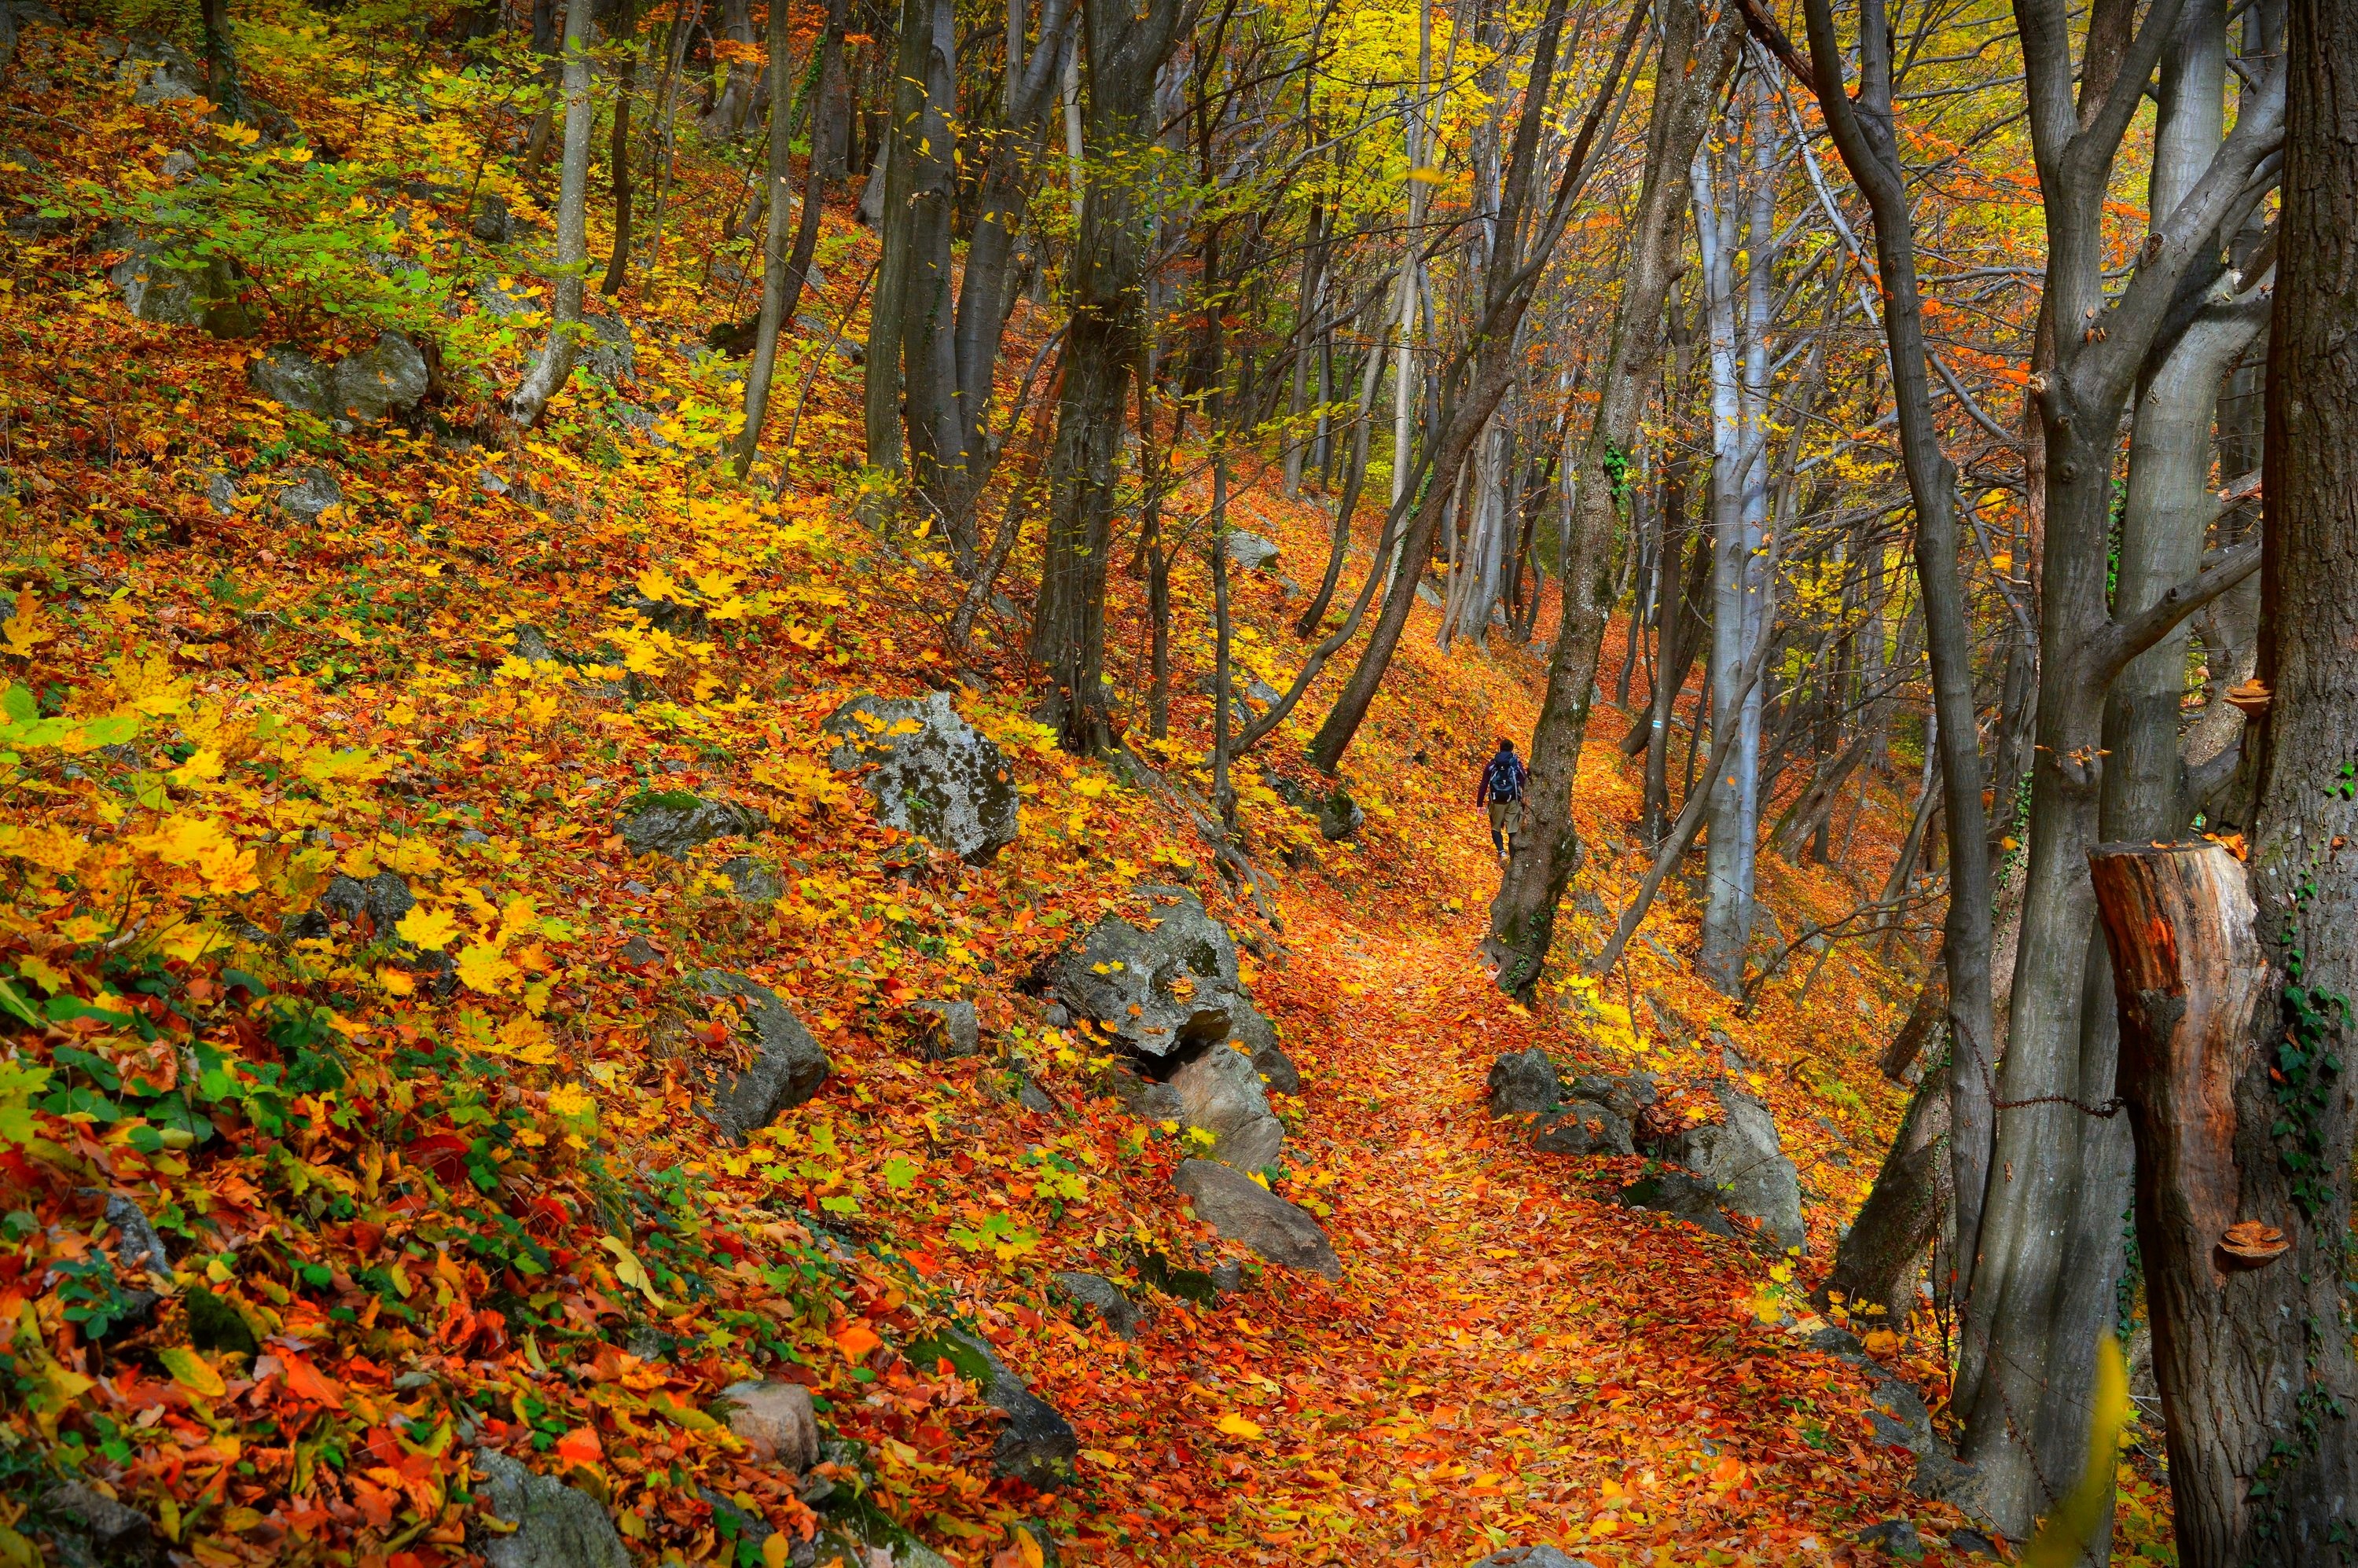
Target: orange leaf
point(856, 1340)
point(306, 1382)
point(580, 1446)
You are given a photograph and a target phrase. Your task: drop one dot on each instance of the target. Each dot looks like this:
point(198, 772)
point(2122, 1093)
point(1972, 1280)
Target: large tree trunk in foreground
point(548, 371)
point(2258, 1379)
point(1695, 58)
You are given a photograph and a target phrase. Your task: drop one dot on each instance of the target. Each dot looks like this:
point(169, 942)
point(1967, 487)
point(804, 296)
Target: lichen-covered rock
point(1250, 551)
point(1105, 1298)
point(1241, 1209)
point(1165, 985)
point(1523, 1083)
point(312, 493)
point(557, 1526)
point(1583, 1127)
point(1743, 1159)
point(1680, 1196)
point(788, 1064)
point(672, 822)
point(90, 1529)
point(776, 1422)
point(385, 379)
point(1220, 1092)
point(934, 774)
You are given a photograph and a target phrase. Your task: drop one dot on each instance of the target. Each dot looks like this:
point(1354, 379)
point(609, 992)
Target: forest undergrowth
point(439, 1186)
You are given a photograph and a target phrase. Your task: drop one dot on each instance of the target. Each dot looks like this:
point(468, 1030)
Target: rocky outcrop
point(776, 1420)
point(1743, 1160)
point(674, 822)
point(556, 1526)
point(1242, 1210)
point(1524, 1083)
point(1250, 551)
point(1036, 1445)
point(205, 296)
point(90, 1529)
point(788, 1064)
point(1680, 1196)
point(1163, 986)
point(1105, 1298)
point(934, 776)
point(1583, 1127)
point(360, 389)
point(1220, 1092)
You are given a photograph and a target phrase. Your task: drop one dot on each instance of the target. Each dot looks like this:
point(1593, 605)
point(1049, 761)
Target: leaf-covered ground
point(438, 1186)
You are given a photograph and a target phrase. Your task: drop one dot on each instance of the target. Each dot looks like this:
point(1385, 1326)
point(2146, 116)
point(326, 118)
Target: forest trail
point(1511, 1357)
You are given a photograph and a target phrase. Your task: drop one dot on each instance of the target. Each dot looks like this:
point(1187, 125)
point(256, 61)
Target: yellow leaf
point(526, 1039)
point(429, 928)
point(774, 1550)
point(1234, 1425)
point(481, 968)
point(192, 1371)
point(397, 983)
point(630, 1272)
point(24, 630)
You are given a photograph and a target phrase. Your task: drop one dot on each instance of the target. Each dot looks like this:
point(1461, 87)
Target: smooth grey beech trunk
point(555, 363)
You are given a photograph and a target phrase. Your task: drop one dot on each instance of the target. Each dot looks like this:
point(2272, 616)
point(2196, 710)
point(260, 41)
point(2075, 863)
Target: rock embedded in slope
point(1242, 1210)
point(934, 775)
point(1036, 1445)
point(1583, 1127)
point(755, 882)
point(1220, 1092)
point(672, 822)
point(1532, 1557)
point(1105, 1298)
point(776, 1420)
point(1163, 986)
point(1744, 1159)
point(556, 1526)
point(788, 1064)
point(1250, 551)
point(1624, 1097)
point(90, 1529)
point(945, 1028)
point(1898, 1538)
point(313, 492)
point(1269, 1058)
point(1524, 1083)
point(387, 378)
point(1679, 1196)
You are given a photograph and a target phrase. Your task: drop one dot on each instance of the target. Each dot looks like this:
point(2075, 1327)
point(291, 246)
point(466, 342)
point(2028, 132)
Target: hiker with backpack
point(1502, 791)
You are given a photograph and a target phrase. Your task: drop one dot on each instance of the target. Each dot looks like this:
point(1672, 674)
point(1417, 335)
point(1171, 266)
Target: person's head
point(1505, 746)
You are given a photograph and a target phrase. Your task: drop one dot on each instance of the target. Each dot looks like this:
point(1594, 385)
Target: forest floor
point(443, 1188)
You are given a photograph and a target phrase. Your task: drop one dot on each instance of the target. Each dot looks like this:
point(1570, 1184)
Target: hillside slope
point(430, 1151)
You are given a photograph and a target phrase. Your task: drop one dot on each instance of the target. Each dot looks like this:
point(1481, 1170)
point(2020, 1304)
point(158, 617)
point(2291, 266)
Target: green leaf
point(17, 1006)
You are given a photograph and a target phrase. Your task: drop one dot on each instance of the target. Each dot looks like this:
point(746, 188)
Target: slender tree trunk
point(548, 371)
point(618, 261)
point(1355, 475)
point(1879, 1260)
point(1696, 55)
point(221, 84)
point(777, 281)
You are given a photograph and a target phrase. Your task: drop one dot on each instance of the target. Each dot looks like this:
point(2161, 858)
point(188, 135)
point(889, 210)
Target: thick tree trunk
point(618, 154)
point(928, 343)
point(1696, 56)
point(548, 371)
point(1102, 345)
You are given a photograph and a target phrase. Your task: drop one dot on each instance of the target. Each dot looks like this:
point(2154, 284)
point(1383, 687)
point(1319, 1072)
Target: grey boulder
point(1743, 1158)
point(205, 295)
point(1164, 985)
point(934, 776)
point(1105, 1298)
point(1250, 550)
point(1532, 1557)
point(1242, 1210)
point(946, 1028)
point(676, 822)
point(1680, 1196)
point(92, 1529)
point(1269, 1058)
point(1896, 1537)
point(1036, 1445)
point(556, 1526)
point(776, 1422)
point(384, 898)
point(312, 494)
point(1523, 1083)
point(381, 380)
point(294, 379)
point(752, 880)
point(1624, 1097)
point(1583, 1127)
point(1220, 1093)
point(788, 1064)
